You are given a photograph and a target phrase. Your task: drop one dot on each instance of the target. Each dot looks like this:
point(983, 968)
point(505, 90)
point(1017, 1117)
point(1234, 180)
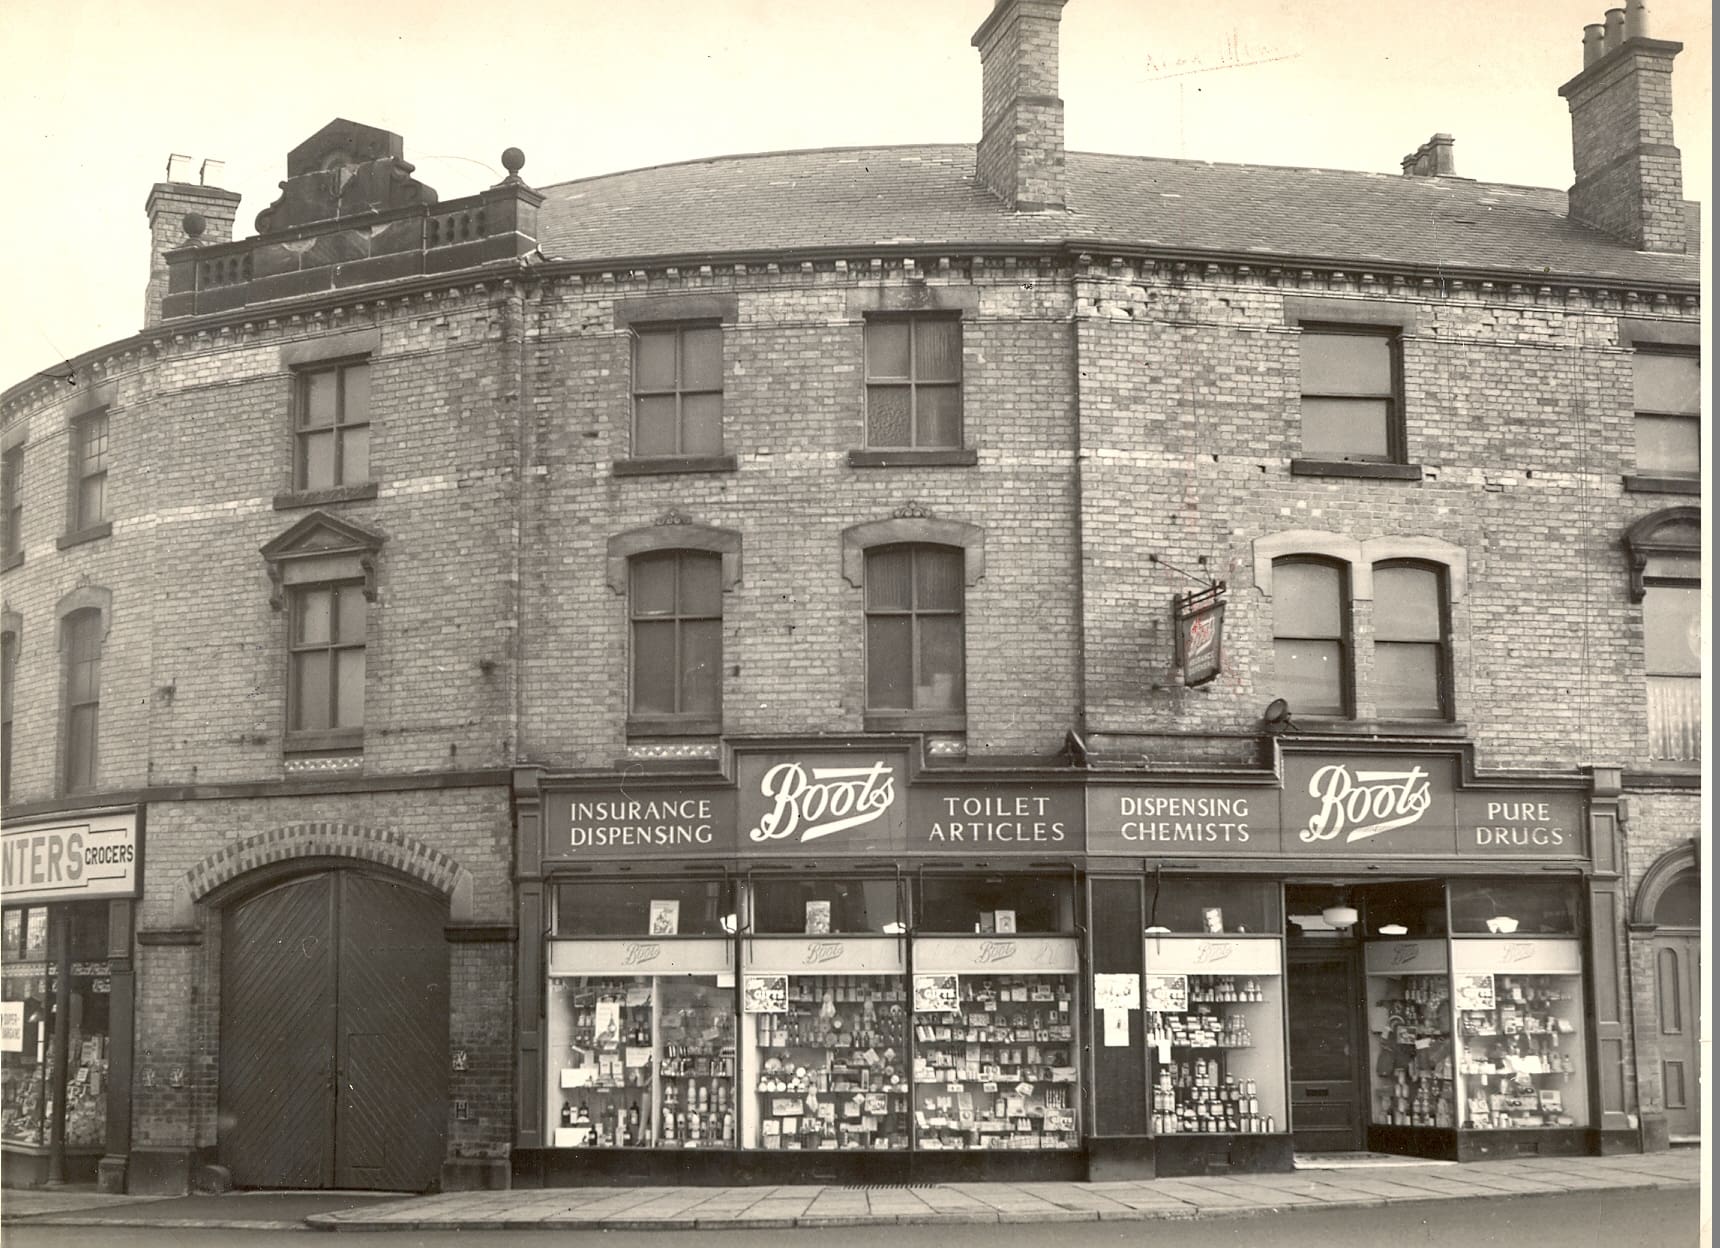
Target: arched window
point(915, 657)
point(675, 606)
point(1665, 552)
point(1411, 641)
point(1311, 636)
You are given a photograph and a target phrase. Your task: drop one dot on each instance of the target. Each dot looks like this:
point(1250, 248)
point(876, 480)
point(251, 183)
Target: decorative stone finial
point(194, 225)
point(513, 160)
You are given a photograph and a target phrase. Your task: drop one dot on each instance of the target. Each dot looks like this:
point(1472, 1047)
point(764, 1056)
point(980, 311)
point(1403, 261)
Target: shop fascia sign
point(86, 858)
point(1351, 806)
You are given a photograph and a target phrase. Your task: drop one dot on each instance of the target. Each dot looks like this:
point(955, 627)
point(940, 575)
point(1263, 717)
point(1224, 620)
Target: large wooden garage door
point(334, 1008)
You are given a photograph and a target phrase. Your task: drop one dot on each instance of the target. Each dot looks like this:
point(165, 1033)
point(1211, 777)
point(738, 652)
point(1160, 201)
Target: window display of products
point(1521, 1057)
point(26, 1107)
point(832, 1066)
point(1000, 1071)
point(641, 1061)
point(1215, 1042)
point(1409, 1034)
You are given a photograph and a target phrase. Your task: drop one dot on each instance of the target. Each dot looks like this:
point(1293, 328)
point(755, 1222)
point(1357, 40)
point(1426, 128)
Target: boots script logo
point(1366, 803)
point(822, 801)
point(995, 951)
point(821, 951)
point(636, 951)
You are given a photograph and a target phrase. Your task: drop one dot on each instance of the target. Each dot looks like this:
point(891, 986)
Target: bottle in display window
point(995, 1061)
point(1522, 1062)
point(831, 1061)
point(602, 1050)
point(1215, 1043)
point(1412, 1066)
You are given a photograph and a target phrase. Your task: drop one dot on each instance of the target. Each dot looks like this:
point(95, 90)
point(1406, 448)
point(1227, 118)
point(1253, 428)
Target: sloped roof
point(926, 196)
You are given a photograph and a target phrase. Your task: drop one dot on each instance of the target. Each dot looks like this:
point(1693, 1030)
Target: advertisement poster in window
point(937, 994)
point(1473, 992)
point(765, 994)
point(1200, 634)
point(1167, 994)
point(665, 917)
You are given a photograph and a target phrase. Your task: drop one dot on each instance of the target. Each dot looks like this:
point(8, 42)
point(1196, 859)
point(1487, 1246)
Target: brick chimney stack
point(1630, 178)
point(1433, 159)
point(1020, 155)
point(168, 204)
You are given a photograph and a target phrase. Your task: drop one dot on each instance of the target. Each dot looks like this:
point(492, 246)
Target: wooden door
point(1326, 1094)
point(334, 1020)
point(1678, 998)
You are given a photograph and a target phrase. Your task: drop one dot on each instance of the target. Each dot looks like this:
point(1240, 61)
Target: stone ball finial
point(513, 160)
point(194, 225)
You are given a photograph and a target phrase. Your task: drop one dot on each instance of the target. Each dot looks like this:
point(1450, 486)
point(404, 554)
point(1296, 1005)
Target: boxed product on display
point(1194, 1088)
point(998, 1070)
point(1410, 1035)
point(832, 1066)
point(1522, 1061)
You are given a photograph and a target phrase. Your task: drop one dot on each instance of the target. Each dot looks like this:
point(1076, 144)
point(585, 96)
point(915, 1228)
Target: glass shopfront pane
point(1523, 907)
point(612, 907)
point(1409, 1034)
point(1522, 1061)
point(1205, 904)
point(996, 903)
point(1399, 908)
point(26, 1103)
point(1215, 1041)
point(819, 906)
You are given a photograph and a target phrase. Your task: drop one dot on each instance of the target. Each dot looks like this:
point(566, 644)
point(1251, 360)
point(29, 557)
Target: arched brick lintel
point(382, 846)
point(1658, 878)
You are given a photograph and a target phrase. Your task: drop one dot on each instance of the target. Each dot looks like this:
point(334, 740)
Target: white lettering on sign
point(822, 951)
point(1365, 804)
point(829, 800)
point(636, 951)
point(68, 861)
point(995, 951)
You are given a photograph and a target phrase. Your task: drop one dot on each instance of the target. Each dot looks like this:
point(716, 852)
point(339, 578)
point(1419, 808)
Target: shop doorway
point(334, 1008)
point(1326, 1090)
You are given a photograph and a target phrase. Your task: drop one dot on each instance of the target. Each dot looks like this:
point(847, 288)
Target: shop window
point(1208, 904)
point(325, 683)
point(817, 906)
point(8, 680)
point(1350, 408)
point(1667, 386)
point(89, 500)
point(83, 686)
point(914, 632)
point(28, 951)
point(1409, 908)
point(675, 603)
point(1515, 907)
point(995, 903)
point(1311, 635)
point(1412, 663)
point(1522, 1039)
point(913, 382)
point(12, 506)
point(678, 390)
point(623, 907)
point(333, 427)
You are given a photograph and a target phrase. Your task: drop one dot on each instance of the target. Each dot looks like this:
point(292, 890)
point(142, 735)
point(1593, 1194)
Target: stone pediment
point(321, 533)
point(341, 171)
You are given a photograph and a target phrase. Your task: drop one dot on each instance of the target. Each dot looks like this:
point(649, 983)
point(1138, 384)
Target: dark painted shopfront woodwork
point(1326, 1090)
point(333, 1055)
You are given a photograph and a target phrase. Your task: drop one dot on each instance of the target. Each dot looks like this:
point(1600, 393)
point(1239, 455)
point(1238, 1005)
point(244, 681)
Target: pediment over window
point(319, 549)
point(1666, 545)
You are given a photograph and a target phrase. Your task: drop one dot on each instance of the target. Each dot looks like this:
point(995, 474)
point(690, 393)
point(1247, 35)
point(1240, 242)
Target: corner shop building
point(840, 962)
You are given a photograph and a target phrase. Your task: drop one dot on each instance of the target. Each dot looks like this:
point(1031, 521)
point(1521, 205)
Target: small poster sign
point(11, 1026)
point(765, 994)
point(1200, 634)
point(937, 994)
point(1116, 992)
point(1167, 994)
point(1473, 992)
point(665, 917)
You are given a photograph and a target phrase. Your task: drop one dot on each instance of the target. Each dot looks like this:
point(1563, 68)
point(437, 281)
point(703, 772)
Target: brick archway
point(382, 846)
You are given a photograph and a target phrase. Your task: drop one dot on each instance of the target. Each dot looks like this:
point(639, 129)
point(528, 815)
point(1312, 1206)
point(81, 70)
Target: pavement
point(1338, 1183)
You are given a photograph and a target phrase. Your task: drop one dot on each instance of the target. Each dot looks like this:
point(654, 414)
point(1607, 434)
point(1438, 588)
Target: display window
point(996, 904)
point(661, 907)
point(821, 906)
point(1187, 905)
point(1215, 1034)
point(1515, 907)
point(1413, 908)
point(1522, 1059)
point(996, 1043)
point(640, 1037)
point(30, 993)
point(825, 1043)
point(1411, 1064)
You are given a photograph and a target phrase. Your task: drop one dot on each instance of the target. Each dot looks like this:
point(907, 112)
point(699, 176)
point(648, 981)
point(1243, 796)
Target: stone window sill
point(324, 741)
point(674, 725)
point(320, 498)
point(12, 561)
point(1663, 485)
point(916, 721)
point(94, 532)
point(914, 457)
point(663, 465)
point(1360, 468)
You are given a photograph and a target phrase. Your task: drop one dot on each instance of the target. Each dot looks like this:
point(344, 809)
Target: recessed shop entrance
point(1325, 1085)
point(334, 1007)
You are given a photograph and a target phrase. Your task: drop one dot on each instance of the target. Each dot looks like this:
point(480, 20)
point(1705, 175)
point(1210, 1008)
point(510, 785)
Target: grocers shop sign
point(87, 858)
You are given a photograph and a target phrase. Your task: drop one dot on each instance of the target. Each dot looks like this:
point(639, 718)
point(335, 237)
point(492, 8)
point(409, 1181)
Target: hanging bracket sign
point(1200, 634)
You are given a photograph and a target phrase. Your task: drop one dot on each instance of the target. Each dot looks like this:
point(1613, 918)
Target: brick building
point(1154, 666)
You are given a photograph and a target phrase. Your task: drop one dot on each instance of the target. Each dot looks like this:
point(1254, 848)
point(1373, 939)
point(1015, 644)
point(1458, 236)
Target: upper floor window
point(1668, 400)
point(1310, 635)
point(677, 390)
point(89, 471)
point(333, 427)
point(1411, 657)
point(8, 677)
point(1665, 565)
point(1350, 405)
point(83, 684)
point(914, 629)
point(914, 381)
point(12, 504)
point(325, 691)
point(675, 602)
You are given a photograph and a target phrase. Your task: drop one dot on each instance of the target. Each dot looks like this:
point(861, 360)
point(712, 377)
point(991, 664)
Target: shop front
point(66, 1016)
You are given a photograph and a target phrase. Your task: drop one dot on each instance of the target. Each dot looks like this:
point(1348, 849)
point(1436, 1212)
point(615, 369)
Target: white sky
point(97, 93)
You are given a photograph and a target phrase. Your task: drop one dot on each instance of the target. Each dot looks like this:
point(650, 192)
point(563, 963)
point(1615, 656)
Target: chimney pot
point(1635, 20)
point(1594, 39)
point(209, 173)
point(179, 168)
point(1615, 30)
